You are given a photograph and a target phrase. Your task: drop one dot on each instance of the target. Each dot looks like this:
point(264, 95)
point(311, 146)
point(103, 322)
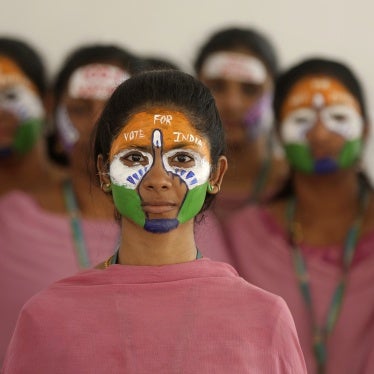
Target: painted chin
point(161, 226)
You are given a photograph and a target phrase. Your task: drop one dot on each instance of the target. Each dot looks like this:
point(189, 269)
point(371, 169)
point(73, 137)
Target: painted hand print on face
point(160, 166)
point(21, 110)
point(316, 101)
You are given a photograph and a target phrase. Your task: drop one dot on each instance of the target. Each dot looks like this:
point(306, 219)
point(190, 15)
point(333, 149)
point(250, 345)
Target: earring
point(210, 188)
point(106, 187)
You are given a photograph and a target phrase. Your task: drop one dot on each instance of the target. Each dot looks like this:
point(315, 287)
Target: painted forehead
point(177, 132)
point(234, 66)
point(303, 94)
point(95, 81)
point(11, 74)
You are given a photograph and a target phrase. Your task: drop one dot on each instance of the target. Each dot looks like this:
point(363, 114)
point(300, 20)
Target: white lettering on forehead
point(180, 137)
point(162, 118)
point(235, 66)
point(133, 135)
point(96, 81)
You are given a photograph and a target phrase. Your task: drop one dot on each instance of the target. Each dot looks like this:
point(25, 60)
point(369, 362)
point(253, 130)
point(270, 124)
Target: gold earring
point(106, 187)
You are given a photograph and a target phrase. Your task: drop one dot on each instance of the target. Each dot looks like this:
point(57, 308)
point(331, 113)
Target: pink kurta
point(36, 249)
point(261, 254)
point(194, 317)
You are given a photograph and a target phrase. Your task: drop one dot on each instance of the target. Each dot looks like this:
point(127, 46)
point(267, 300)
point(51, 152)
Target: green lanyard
point(321, 333)
point(76, 225)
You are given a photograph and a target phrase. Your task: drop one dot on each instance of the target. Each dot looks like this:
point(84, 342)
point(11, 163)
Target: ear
point(216, 176)
point(103, 174)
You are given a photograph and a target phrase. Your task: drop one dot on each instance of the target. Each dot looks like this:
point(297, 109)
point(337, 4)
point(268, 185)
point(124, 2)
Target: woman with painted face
point(67, 226)
point(157, 305)
point(23, 158)
point(313, 244)
point(239, 65)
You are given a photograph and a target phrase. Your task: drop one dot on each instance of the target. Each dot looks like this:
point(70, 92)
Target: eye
point(302, 120)
point(250, 89)
point(183, 160)
point(10, 95)
point(339, 117)
point(134, 158)
point(216, 86)
point(79, 109)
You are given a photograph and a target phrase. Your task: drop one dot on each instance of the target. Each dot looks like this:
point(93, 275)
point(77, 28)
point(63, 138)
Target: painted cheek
point(126, 176)
point(296, 125)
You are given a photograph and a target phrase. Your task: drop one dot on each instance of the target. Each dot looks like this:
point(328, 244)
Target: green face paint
point(145, 157)
point(27, 135)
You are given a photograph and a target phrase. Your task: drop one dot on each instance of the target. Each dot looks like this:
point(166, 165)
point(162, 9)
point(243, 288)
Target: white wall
point(341, 29)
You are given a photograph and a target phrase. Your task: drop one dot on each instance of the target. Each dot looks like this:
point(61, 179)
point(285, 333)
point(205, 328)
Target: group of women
point(113, 168)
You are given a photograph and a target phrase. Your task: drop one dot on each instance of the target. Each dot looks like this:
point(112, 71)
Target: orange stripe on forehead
point(177, 131)
point(303, 92)
point(11, 74)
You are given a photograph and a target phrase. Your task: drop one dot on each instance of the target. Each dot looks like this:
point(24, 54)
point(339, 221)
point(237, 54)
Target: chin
point(161, 226)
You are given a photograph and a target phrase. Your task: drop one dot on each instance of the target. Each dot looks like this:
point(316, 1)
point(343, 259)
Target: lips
point(158, 207)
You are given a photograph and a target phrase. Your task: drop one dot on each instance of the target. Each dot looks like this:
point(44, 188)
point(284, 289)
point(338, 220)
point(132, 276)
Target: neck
point(91, 201)
point(244, 167)
point(334, 195)
point(26, 172)
point(176, 246)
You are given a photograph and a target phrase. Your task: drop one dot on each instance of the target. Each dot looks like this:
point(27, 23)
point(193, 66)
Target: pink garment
point(262, 256)
point(210, 239)
point(194, 317)
point(36, 249)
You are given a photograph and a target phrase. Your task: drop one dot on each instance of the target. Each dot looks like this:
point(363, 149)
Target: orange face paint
point(177, 131)
point(11, 75)
point(302, 94)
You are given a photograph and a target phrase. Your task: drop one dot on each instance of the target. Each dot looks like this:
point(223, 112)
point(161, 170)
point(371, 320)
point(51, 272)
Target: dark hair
point(317, 66)
point(173, 89)
point(232, 38)
point(159, 63)
point(28, 59)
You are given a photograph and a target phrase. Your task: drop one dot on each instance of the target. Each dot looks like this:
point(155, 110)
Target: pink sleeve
point(286, 343)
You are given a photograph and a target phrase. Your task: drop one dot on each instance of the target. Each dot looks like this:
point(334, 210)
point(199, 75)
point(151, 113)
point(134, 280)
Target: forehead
point(11, 73)
point(177, 131)
point(303, 92)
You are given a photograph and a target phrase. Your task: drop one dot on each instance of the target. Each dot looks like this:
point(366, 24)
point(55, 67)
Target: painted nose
point(157, 178)
point(319, 132)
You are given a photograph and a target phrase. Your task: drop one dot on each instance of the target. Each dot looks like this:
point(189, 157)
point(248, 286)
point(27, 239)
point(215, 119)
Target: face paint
point(321, 100)
point(159, 146)
point(89, 82)
point(68, 134)
point(96, 81)
point(259, 118)
point(19, 97)
point(234, 66)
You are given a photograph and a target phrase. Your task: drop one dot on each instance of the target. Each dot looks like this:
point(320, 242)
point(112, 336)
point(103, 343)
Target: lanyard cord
point(76, 225)
point(321, 333)
point(263, 174)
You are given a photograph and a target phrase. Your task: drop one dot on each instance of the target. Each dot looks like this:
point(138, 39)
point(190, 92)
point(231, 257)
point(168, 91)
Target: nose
point(319, 132)
point(157, 179)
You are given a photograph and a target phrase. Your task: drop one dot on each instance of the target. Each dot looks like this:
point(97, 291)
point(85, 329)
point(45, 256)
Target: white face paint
point(22, 102)
point(341, 119)
point(234, 66)
point(68, 133)
point(130, 176)
point(96, 81)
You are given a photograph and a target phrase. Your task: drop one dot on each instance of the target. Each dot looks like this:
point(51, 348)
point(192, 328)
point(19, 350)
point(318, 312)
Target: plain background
point(341, 29)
